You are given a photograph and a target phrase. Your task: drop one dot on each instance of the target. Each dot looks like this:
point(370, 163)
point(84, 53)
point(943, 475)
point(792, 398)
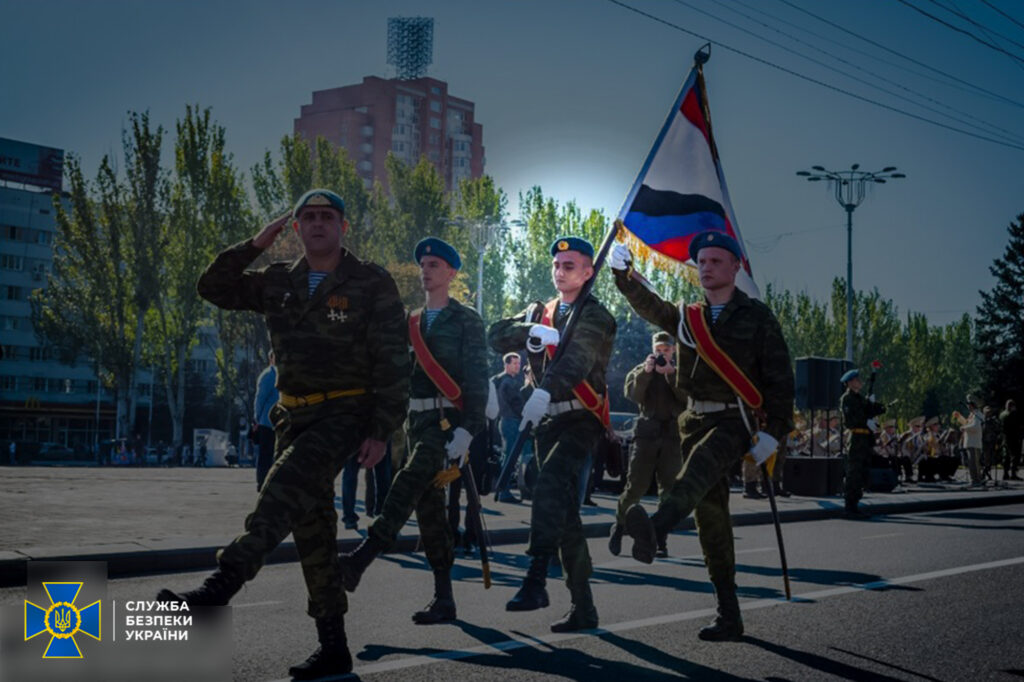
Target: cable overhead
point(903, 56)
point(945, 80)
point(960, 30)
point(989, 4)
point(989, 32)
point(1015, 137)
point(815, 80)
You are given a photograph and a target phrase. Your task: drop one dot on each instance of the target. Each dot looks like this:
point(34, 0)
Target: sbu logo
point(62, 620)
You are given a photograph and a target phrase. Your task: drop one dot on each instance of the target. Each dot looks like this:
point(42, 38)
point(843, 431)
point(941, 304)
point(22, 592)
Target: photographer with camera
point(656, 445)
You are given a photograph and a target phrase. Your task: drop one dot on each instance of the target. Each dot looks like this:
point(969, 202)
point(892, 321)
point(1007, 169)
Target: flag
point(681, 191)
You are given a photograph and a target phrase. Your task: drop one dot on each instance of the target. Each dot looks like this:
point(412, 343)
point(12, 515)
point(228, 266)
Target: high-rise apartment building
point(410, 118)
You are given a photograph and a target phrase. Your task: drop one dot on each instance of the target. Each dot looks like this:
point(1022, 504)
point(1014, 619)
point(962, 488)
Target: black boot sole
point(520, 605)
point(640, 528)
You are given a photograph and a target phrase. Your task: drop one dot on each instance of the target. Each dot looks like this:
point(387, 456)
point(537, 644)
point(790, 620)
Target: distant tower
point(410, 46)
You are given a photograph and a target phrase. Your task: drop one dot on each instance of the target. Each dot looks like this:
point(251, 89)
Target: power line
point(960, 30)
point(1003, 13)
point(984, 30)
point(1011, 135)
point(989, 32)
point(902, 56)
point(815, 80)
point(945, 80)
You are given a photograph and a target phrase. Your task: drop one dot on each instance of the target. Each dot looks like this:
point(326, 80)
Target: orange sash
point(717, 358)
point(435, 372)
point(583, 391)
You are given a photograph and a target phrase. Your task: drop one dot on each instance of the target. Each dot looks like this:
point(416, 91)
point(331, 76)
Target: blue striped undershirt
point(563, 308)
point(716, 310)
point(430, 315)
point(315, 277)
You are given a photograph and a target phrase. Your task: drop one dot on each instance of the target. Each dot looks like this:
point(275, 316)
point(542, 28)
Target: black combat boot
point(728, 625)
point(582, 614)
point(853, 511)
point(354, 563)
point(532, 595)
point(751, 492)
point(640, 528)
point(615, 539)
point(216, 590)
point(441, 608)
point(331, 657)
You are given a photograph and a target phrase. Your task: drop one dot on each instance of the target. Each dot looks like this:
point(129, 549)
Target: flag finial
point(701, 57)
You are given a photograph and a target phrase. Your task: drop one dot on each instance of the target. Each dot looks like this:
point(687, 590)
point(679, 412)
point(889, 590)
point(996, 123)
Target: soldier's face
point(435, 273)
point(320, 230)
point(716, 267)
point(570, 270)
point(513, 366)
point(665, 350)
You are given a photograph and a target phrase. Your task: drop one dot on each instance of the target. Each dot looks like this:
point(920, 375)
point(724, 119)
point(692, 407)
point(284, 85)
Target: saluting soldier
point(656, 453)
point(742, 351)
point(446, 410)
point(859, 413)
point(337, 328)
point(569, 408)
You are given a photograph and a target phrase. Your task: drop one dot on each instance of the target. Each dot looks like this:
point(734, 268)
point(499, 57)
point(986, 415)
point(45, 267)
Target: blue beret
point(432, 246)
point(714, 238)
point(851, 374)
point(319, 197)
point(572, 244)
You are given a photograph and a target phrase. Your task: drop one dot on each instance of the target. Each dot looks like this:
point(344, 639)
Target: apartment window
point(398, 147)
point(37, 353)
point(8, 261)
point(43, 237)
point(367, 131)
point(9, 324)
point(38, 384)
point(365, 165)
point(435, 105)
point(432, 155)
point(435, 123)
point(8, 383)
point(12, 232)
point(361, 110)
point(8, 352)
point(366, 148)
point(434, 90)
point(435, 138)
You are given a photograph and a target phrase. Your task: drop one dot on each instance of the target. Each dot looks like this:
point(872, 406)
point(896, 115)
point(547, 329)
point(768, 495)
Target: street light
point(849, 186)
point(483, 233)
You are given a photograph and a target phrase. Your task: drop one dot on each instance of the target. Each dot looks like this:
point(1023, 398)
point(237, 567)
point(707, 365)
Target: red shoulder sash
point(435, 372)
point(717, 358)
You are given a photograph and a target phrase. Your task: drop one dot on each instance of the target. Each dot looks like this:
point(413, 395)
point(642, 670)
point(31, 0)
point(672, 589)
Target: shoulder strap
point(717, 359)
point(433, 369)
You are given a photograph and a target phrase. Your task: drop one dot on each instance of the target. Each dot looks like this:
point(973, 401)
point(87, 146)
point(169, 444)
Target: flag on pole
point(680, 191)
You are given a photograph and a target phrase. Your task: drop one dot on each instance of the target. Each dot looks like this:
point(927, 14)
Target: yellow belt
point(862, 431)
point(315, 398)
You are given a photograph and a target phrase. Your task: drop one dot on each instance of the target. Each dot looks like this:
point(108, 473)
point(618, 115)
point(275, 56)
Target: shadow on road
point(817, 662)
point(887, 665)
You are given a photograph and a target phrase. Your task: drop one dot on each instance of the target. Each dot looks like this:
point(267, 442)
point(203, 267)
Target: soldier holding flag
point(569, 407)
point(732, 346)
point(449, 393)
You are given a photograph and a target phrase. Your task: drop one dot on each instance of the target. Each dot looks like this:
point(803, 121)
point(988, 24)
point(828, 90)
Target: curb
point(123, 564)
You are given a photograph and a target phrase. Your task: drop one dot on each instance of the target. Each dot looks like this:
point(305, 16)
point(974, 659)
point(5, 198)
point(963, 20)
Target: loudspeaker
point(813, 476)
point(817, 382)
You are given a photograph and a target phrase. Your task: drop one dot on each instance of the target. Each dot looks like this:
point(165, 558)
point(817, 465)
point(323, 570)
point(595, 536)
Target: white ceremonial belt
point(564, 406)
point(424, 404)
point(707, 406)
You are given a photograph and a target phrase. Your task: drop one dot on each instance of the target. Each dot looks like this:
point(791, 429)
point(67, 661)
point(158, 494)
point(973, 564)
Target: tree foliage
point(1000, 322)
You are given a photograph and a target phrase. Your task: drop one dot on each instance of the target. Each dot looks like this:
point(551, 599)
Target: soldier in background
point(569, 409)
point(991, 440)
point(656, 454)
point(1013, 431)
point(337, 328)
point(449, 390)
point(859, 413)
point(716, 429)
point(912, 450)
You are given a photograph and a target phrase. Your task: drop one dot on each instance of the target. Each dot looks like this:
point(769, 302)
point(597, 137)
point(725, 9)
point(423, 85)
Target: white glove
point(620, 258)
point(492, 409)
point(544, 336)
point(458, 446)
point(762, 446)
point(535, 408)
point(871, 398)
point(873, 425)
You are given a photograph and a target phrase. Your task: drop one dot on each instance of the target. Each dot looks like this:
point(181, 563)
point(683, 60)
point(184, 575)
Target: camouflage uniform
point(349, 335)
point(656, 452)
point(713, 442)
point(563, 440)
point(857, 410)
point(456, 340)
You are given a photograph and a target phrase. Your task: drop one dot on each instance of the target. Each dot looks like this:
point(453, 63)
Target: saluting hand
point(269, 233)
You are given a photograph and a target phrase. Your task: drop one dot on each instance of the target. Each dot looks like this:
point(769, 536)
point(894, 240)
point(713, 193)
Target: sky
point(571, 94)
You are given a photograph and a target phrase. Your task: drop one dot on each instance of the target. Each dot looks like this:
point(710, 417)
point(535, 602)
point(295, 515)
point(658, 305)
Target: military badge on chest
point(337, 305)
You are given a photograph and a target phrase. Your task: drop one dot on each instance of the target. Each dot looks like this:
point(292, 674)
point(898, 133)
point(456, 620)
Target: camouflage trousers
point(712, 444)
point(855, 473)
point(563, 443)
point(413, 490)
point(653, 459)
point(297, 497)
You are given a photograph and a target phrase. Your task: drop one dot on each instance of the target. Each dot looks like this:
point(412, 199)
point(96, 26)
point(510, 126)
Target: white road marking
point(516, 642)
point(884, 535)
point(254, 603)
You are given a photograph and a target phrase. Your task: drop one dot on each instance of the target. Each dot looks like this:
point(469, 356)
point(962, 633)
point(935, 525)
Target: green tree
point(479, 202)
point(1000, 323)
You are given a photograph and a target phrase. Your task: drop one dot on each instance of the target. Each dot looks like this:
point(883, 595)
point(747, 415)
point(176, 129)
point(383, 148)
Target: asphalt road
point(931, 596)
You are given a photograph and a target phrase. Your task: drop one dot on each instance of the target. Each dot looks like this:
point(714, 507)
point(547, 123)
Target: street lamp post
point(483, 233)
point(850, 187)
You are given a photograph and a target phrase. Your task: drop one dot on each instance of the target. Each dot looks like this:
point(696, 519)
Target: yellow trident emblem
point(62, 619)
